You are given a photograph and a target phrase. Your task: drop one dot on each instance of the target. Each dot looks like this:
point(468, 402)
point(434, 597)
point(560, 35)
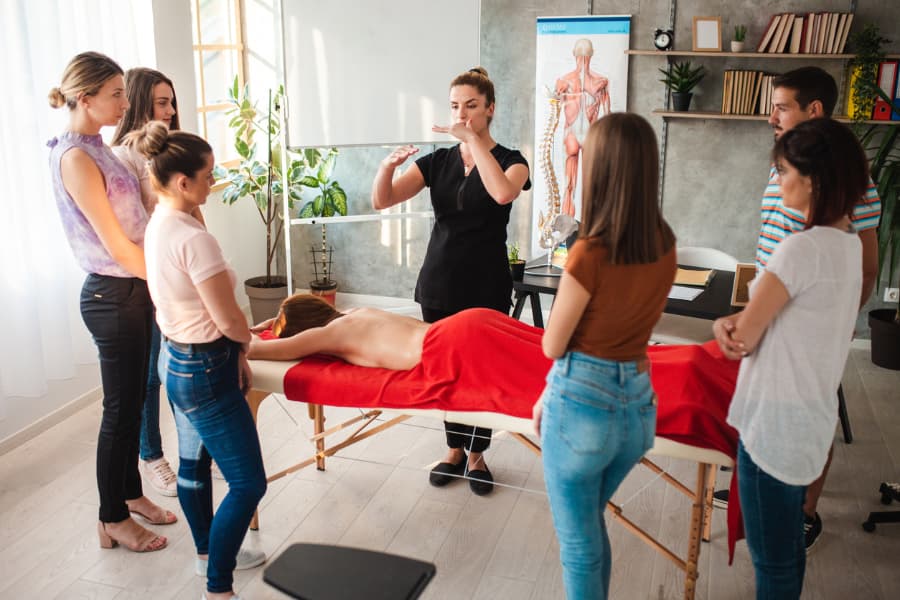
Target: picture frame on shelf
point(707, 34)
point(744, 273)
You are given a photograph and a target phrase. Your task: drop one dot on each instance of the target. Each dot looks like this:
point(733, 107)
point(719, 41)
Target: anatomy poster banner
point(582, 75)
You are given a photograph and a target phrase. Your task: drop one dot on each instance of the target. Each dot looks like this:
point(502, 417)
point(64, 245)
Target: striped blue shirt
point(779, 221)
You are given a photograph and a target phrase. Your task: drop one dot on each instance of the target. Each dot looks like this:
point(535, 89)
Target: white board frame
point(374, 72)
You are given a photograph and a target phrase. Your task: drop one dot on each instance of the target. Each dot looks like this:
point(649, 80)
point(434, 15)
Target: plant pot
point(681, 101)
point(324, 288)
point(737, 46)
point(265, 300)
point(885, 338)
point(517, 269)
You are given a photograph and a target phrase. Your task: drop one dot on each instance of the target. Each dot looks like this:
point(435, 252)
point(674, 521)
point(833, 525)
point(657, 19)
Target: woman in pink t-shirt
point(207, 373)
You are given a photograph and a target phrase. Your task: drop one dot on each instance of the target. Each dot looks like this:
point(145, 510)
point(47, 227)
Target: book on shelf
point(846, 31)
point(785, 33)
point(742, 91)
point(796, 35)
point(770, 31)
point(852, 106)
point(809, 33)
point(809, 23)
point(895, 114)
point(821, 26)
point(887, 82)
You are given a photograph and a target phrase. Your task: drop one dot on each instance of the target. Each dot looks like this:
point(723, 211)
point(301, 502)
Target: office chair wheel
point(868, 526)
point(889, 492)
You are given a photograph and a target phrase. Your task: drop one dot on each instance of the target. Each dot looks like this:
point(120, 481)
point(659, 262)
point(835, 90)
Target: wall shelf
point(699, 114)
point(775, 55)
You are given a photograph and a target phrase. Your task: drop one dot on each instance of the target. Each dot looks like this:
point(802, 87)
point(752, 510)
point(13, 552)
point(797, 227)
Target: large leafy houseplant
point(882, 145)
point(883, 151)
point(257, 175)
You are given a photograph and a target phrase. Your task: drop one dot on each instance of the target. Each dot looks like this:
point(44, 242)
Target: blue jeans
point(773, 524)
point(151, 441)
point(213, 420)
point(599, 419)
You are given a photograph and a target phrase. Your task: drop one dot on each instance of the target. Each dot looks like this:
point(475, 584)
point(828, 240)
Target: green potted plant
point(882, 145)
point(681, 78)
point(883, 149)
point(516, 264)
point(257, 175)
point(330, 200)
point(740, 34)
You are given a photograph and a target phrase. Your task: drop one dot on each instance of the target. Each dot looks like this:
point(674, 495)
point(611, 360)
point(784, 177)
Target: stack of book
point(746, 92)
point(812, 33)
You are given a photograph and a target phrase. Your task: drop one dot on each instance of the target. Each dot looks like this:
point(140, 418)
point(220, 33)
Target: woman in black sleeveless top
point(472, 186)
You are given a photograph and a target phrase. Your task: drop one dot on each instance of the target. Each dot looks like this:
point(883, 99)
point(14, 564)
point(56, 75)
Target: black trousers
point(118, 312)
point(469, 437)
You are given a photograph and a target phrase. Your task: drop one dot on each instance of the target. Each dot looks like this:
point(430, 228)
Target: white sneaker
point(160, 476)
point(233, 597)
point(247, 558)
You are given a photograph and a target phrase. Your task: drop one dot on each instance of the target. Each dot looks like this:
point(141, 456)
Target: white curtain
point(44, 337)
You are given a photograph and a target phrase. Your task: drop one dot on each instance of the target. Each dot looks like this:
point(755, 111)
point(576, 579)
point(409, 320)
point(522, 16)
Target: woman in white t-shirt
point(206, 369)
point(794, 337)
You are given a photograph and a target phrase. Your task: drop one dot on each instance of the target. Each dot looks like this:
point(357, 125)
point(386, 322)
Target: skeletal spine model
point(546, 163)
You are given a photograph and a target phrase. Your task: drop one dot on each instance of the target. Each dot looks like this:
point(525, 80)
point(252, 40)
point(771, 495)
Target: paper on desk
point(693, 277)
point(679, 292)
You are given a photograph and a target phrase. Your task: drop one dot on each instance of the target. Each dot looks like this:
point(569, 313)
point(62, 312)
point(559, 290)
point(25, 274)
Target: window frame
point(204, 109)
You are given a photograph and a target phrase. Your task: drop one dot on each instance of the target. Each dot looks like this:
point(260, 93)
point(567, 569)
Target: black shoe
point(481, 482)
point(720, 499)
point(812, 529)
point(443, 473)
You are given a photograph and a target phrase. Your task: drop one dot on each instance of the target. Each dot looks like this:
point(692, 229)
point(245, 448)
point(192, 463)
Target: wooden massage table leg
point(698, 512)
point(317, 414)
point(708, 502)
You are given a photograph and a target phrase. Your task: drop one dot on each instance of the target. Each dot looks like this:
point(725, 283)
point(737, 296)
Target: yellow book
point(693, 277)
point(852, 106)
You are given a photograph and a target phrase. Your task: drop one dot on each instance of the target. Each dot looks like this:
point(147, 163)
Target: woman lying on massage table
point(367, 337)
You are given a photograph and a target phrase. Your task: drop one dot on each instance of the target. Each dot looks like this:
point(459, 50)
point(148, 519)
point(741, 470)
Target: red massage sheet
point(482, 360)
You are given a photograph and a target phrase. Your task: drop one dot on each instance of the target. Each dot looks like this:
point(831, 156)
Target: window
point(218, 58)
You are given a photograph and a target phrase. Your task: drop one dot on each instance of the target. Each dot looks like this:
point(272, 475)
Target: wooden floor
point(376, 495)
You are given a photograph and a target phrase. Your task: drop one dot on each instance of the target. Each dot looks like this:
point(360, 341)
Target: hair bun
point(56, 98)
point(151, 139)
point(479, 70)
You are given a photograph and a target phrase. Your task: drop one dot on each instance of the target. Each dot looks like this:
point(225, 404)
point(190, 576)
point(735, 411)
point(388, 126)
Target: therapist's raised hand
point(461, 131)
point(398, 156)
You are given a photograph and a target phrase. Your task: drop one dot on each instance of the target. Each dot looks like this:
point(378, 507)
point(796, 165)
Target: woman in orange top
point(598, 409)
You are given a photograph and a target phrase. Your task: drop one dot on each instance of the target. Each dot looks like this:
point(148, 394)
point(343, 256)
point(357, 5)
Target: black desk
point(712, 303)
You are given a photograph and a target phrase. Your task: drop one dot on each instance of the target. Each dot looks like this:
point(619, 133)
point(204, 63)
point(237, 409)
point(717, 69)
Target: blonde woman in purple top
point(100, 206)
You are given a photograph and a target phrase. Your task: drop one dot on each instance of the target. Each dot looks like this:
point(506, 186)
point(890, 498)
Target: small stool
point(324, 572)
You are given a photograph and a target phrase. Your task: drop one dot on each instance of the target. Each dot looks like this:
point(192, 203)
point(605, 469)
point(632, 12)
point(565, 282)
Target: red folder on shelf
point(887, 81)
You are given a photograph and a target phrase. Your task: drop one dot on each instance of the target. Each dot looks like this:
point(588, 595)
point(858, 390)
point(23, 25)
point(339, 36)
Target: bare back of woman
point(366, 337)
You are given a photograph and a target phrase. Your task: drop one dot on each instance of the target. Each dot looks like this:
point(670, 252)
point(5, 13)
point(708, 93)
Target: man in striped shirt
point(799, 95)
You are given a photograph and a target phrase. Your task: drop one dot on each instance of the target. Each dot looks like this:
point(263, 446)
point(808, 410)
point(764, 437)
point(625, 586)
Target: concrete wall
point(715, 170)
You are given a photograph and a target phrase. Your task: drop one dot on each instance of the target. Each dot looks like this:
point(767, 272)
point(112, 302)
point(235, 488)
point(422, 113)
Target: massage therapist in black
point(473, 185)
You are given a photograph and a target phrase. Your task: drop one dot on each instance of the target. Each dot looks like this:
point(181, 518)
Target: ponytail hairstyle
point(619, 195)
point(301, 312)
point(830, 155)
point(169, 152)
point(84, 76)
point(139, 84)
point(478, 78)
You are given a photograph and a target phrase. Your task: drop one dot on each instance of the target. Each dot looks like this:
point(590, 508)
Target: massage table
point(315, 388)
